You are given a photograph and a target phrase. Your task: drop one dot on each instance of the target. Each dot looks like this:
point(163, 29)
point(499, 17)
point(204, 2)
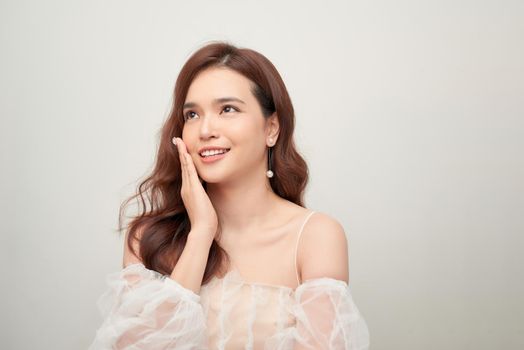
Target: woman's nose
point(208, 126)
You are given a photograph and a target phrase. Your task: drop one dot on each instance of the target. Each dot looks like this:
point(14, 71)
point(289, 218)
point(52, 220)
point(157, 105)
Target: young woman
point(226, 256)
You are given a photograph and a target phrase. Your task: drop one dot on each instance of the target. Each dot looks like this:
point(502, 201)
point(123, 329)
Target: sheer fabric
point(143, 309)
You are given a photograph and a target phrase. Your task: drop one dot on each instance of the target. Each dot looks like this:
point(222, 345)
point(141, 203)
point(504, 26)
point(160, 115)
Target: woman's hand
point(202, 214)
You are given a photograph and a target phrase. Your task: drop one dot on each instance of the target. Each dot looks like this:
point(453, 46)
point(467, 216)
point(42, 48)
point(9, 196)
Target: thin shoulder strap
point(298, 240)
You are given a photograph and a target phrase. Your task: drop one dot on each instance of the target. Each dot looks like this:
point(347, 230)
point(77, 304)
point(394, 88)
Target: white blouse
point(143, 309)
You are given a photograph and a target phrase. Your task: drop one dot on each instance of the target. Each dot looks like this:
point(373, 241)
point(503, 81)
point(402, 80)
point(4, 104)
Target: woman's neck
point(243, 206)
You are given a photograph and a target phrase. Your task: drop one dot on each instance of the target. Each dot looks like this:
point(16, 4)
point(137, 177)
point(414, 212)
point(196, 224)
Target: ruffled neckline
point(234, 276)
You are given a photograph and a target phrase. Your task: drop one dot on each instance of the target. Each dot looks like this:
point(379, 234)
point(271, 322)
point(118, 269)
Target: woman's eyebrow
point(215, 101)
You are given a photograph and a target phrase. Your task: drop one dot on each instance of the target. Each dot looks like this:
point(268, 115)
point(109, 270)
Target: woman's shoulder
point(324, 222)
point(317, 221)
point(323, 248)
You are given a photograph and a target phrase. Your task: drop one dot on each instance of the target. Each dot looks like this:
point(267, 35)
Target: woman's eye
point(231, 107)
point(188, 115)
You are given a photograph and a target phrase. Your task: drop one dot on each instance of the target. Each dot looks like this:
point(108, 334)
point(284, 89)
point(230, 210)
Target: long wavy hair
point(162, 225)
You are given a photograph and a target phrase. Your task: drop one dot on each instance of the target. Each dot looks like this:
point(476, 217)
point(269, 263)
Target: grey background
point(409, 113)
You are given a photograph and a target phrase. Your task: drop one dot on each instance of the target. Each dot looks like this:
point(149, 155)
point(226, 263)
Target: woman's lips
point(213, 158)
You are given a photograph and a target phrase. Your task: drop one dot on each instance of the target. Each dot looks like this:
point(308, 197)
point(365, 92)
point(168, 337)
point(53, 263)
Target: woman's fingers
point(201, 212)
point(183, 161)
point(192, 172)
point(191, 175)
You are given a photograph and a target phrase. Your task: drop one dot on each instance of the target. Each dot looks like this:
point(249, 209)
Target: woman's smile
point(212, 157)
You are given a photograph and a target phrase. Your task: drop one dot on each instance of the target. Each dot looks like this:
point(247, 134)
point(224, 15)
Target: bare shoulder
point(323, 249)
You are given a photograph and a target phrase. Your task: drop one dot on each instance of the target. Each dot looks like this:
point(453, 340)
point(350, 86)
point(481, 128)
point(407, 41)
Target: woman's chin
point(212, 178)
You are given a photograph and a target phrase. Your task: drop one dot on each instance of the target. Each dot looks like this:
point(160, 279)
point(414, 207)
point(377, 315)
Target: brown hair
point(164, 225)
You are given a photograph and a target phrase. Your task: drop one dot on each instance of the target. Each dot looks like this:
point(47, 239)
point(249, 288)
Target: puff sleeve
point(143, 309)
point(326, 318)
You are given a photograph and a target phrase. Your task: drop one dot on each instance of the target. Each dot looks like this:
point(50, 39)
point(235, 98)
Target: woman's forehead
point(217, 83)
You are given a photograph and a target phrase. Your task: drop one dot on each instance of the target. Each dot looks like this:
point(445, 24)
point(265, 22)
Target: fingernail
point(174, 140)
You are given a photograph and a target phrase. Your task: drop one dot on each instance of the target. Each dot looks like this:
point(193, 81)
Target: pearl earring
point(269, 173)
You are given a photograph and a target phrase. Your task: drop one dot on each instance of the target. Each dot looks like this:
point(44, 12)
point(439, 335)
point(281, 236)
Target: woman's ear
point(272, 129)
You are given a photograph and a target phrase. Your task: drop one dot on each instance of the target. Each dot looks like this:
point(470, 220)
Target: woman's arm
point(190, 268)
point(146, 310)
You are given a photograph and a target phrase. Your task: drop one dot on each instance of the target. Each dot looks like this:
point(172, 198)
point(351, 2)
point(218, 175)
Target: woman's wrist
point(199, 237)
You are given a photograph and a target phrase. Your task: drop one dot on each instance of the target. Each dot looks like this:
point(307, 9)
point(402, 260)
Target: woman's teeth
point(213, 152)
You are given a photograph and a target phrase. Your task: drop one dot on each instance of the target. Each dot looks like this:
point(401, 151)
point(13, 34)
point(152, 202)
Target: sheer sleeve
point(326, 318)
point(143, 309)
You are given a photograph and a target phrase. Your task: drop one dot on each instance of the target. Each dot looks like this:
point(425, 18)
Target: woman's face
point(220, 111)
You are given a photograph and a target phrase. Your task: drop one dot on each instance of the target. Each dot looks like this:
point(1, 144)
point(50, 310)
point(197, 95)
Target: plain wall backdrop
point(410, 115)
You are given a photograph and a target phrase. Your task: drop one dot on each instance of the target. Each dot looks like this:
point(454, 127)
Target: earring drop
point(269, 173)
